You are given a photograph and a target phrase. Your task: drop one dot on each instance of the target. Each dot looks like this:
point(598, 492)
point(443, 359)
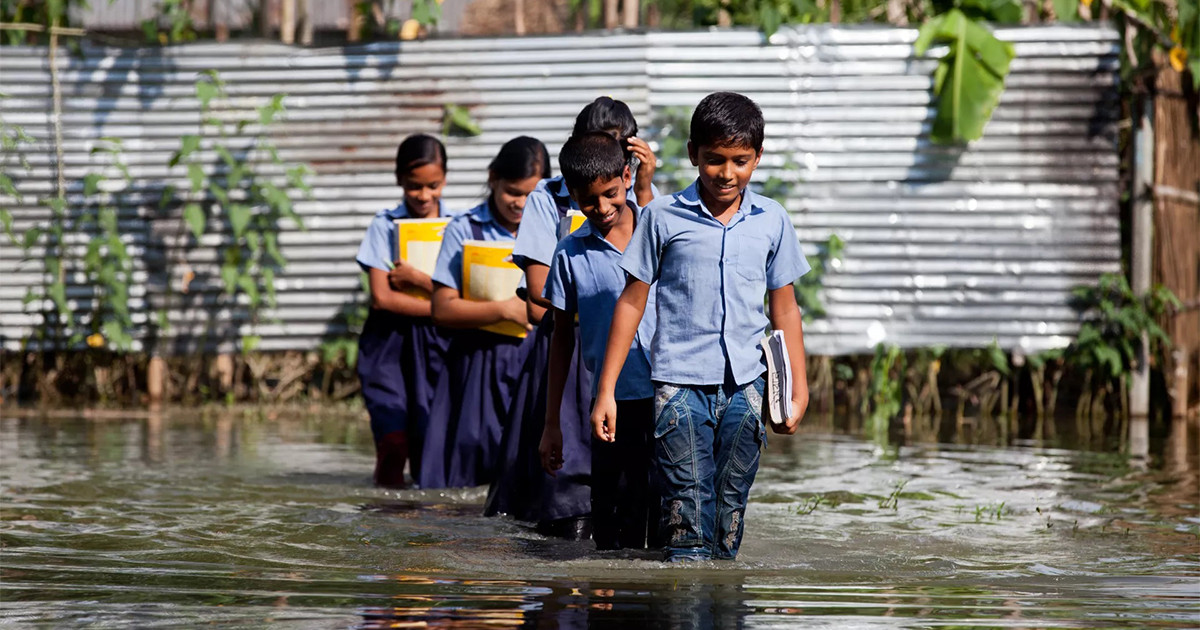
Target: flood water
point(253, 520)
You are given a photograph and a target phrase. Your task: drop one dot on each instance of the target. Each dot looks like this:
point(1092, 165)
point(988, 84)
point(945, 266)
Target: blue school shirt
point(712, 281)
point(448, 270)
point(586, 278)
point(539, 221)
point(378, 248)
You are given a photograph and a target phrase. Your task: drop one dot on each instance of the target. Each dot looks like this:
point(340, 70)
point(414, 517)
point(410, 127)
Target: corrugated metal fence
point(944, 246)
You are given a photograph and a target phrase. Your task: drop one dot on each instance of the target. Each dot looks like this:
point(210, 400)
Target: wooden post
point(306, 23)
point(264, 18)
point(1179, 384)
point(519, 17)
point(287, 22)
point(354, 21)
point(1142, 249)
point(631, 11)
point(156, 378)
point(610, 14)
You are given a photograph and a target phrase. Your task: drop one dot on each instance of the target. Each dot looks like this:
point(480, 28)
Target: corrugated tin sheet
point(944, 246)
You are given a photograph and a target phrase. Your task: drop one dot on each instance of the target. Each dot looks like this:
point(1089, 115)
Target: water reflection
point(247, 519)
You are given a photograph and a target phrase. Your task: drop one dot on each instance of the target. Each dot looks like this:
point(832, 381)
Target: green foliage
point(769, 15)
point(12, 138)
point(46, 13)
point(172, 25)
point(1173, 27)
point(107, 264)
point(456, 120)
point(886, 387)
point(427, 13)
point(1113, 322)
point(344, 348)
point(809, 286)
point(669, 126)
point(251, 203)
point(970, 77)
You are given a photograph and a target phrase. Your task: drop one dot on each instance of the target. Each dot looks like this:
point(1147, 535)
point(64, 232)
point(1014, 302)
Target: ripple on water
point(247, 522)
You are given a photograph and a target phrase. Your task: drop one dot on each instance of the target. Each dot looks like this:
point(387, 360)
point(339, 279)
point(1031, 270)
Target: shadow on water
point(267, 518)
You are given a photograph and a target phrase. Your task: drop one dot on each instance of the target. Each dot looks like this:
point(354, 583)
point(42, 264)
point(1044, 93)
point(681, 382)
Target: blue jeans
point(707, 440)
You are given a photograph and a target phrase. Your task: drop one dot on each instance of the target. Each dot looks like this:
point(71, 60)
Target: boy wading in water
point(586, 279)
point(714, 249)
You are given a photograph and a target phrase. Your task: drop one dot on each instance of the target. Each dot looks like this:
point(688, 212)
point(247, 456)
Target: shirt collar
point(401, 211)
point(586, 230)
point(690, 197)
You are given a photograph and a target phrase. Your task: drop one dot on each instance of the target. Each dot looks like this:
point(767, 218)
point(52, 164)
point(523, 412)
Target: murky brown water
point(239, 520)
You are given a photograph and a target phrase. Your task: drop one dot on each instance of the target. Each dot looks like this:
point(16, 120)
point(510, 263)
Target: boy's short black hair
point(727, 119)
point(589, 157)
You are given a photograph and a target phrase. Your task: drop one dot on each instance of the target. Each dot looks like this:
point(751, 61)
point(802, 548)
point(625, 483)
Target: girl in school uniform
point(466, 420)
point(400, 351)
point(559, 505)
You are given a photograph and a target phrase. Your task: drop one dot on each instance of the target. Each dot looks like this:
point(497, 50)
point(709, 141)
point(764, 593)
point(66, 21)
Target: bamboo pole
point(287, 21)
point(631, 9)
point(1142, 249)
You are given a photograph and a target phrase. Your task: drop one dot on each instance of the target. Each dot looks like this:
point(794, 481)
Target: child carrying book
point(714, 249)
point(585, 280)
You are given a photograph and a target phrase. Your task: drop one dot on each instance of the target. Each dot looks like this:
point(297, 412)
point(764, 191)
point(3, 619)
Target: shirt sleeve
point(539, 231)
point(560, 282)
point(448, 270)
point(786, 263)
point(376, 250)
point(643, 254)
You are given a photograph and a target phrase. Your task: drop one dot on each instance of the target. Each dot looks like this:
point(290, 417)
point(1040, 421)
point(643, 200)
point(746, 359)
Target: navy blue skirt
point(522, 489)
point(470, 408)
point(400, 360)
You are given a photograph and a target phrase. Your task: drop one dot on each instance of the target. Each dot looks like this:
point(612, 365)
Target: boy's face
point(603, 201)
point(724, 171)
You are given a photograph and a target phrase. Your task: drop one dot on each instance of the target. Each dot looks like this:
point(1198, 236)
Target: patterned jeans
point(707, 440)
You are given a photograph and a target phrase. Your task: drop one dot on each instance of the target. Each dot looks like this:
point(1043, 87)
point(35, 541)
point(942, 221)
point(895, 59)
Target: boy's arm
point(785, 316)
point(626, 316)
point(562, 344)
point(535, 282)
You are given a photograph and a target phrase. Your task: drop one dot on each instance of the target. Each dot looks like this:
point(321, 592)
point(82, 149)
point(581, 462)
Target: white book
point(778, 396)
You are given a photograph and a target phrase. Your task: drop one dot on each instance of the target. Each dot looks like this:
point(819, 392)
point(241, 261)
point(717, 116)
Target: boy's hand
point(789, 427)
point(551, 449)
point(604, 419)
point(647, 163)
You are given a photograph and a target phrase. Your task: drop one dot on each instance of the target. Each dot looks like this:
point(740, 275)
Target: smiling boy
point(714, 250)
point(585, 279)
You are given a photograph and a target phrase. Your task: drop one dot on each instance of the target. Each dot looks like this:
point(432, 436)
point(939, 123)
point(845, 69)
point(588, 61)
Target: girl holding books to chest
point(475, 286)
point(400, 351)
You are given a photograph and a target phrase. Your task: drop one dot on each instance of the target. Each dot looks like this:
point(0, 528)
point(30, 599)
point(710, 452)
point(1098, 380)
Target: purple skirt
point(522, 489)
point(466, 420)
point(400, 360)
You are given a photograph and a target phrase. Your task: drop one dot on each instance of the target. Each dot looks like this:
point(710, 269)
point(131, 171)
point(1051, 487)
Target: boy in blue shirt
point(714, 250)
point(585, 279)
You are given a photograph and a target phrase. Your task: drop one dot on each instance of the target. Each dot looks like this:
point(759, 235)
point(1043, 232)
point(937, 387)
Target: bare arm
point(626, 316)
point(384, 298)
point(453, 311)
point(405, 275)
point(562, 344)
point(535, 282)
point(785, 316)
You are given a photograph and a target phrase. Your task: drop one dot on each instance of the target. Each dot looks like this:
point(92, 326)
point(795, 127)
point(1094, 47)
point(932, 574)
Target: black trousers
point(625, 504)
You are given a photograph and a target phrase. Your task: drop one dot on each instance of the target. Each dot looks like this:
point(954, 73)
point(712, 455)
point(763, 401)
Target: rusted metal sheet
point(943, 245)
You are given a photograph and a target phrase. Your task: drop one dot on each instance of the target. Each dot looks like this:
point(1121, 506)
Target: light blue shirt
point(712, 281)
point(378, 248)
point(448, 270)
point(539, 221)
point(586, 278)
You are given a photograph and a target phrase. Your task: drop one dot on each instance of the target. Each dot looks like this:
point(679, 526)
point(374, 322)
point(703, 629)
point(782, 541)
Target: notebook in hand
point(417, 243)
point(489, 275)
point(777, 399)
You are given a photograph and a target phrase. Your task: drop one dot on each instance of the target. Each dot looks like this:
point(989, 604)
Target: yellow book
point(417, 243)
point(489, 275)
point(573, 221)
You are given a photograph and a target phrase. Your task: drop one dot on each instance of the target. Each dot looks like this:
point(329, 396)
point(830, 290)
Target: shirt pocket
point(750, 253)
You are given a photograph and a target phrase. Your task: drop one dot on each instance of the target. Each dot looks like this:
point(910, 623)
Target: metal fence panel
point(944, 245)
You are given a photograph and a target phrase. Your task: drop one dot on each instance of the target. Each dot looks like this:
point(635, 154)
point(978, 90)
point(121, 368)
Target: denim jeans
point(707, 440)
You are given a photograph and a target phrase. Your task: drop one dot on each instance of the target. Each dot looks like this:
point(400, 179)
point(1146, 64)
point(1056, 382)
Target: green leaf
point(7, 187)
point(250, 343)
point(187, 146)
point(229, 276)
point(91, 183)
point(193, 215)
point(267, 113)
point(246, 283)
point(969, 79)
point(1066, 10)
point(457, 118)
point(196, 177)
point(31, 237)
point(271, 244)
point(6, 223)
point(268, 281)
point(239, 218)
